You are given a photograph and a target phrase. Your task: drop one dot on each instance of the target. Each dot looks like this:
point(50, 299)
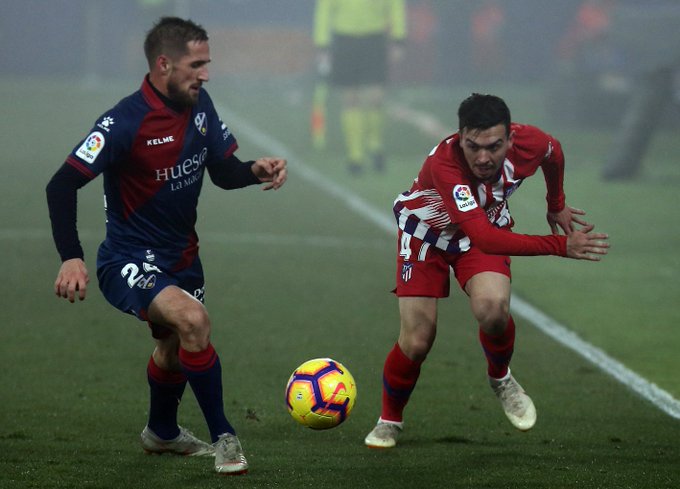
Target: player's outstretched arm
point(271, 169)
point(583, 244)
point(71, 279)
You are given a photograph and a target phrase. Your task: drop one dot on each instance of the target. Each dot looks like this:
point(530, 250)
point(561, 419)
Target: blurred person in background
point(587, 84)
point(652, 93)
point(649, 35)
point(456, 216)
point(487, 25)
point(356, 41)
point(153, 149)
point(585, 37)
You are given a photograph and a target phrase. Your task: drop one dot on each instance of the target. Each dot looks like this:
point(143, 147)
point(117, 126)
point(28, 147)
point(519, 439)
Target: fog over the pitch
point(586, 56)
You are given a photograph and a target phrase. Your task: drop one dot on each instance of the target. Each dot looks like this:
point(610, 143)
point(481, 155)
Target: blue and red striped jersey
point(153, 160)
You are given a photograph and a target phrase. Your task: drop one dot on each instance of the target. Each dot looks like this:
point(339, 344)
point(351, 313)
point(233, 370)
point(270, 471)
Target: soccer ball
point(320, 393)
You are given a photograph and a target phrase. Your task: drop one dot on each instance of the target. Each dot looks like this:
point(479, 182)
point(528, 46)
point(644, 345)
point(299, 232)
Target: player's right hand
point(583, 244)
point(72, 278)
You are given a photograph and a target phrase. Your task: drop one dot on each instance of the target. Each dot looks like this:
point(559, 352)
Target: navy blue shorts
point(130, 280)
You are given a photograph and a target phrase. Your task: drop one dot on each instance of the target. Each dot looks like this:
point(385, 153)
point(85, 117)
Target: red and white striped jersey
point(447, 203)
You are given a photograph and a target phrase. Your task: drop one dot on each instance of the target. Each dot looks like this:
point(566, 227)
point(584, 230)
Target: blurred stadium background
point(580, 69)
point(599, 45)
point(584, 59)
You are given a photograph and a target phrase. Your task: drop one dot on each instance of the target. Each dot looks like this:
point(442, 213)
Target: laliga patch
point(462, 195)
point(91, 147)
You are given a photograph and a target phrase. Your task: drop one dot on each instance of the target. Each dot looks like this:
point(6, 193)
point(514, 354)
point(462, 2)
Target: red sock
point(400, 375)
point(498, 350)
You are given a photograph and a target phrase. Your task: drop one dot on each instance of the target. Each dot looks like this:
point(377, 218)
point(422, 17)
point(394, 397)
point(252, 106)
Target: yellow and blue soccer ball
point(320, 393)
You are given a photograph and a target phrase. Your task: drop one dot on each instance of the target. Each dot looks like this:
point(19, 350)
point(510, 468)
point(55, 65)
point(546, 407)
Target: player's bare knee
point(418, 349)
point(417, 342)
point(193, 325)
point(491, 314)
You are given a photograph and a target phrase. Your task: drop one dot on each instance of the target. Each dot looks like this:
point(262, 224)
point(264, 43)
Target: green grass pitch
point(295, 274)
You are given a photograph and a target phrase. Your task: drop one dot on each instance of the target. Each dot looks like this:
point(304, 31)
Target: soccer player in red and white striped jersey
point(456, 216)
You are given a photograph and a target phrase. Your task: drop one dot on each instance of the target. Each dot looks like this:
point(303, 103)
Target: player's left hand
point(565, 220)
point(584, 244)
point(271, 169)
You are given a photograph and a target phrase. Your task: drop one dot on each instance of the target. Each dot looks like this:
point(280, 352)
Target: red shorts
point(425, 271)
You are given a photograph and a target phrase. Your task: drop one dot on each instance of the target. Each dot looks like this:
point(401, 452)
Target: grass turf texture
point(74, 393)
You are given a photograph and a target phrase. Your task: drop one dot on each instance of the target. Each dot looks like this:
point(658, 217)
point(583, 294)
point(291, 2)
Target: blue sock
point(165, 389)
point(204, 373)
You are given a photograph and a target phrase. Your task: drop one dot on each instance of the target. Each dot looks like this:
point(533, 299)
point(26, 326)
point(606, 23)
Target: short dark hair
point(170, 36)
point(480, 111)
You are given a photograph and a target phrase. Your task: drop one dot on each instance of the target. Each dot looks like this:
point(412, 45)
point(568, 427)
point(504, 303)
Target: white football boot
point(384, 435)
point(518, 407)
point(185, 444)
point(229, 458)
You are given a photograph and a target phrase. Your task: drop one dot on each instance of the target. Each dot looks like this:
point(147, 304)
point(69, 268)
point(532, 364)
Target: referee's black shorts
point(359, 60)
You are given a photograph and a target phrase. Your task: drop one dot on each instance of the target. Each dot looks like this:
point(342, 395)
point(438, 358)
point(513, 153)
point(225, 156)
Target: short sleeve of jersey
point(108, 139)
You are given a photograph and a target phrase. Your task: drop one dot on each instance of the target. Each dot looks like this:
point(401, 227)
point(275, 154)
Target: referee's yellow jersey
point(358, 18)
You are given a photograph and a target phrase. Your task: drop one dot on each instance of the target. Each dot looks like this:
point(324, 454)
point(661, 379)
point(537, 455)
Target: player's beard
point(180, 97)
point(486, 172)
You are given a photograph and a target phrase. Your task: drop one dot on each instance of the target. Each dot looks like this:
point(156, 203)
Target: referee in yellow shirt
point(356, 40)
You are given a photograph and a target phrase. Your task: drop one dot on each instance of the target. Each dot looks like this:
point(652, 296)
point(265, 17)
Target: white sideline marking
point(647, 390)
point(650, 391)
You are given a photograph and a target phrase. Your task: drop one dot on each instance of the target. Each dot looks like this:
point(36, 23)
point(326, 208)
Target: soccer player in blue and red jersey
point(456, 216)
point(153, 149)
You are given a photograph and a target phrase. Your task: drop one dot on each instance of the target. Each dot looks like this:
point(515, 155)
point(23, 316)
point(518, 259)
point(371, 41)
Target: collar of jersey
point(156, 99)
